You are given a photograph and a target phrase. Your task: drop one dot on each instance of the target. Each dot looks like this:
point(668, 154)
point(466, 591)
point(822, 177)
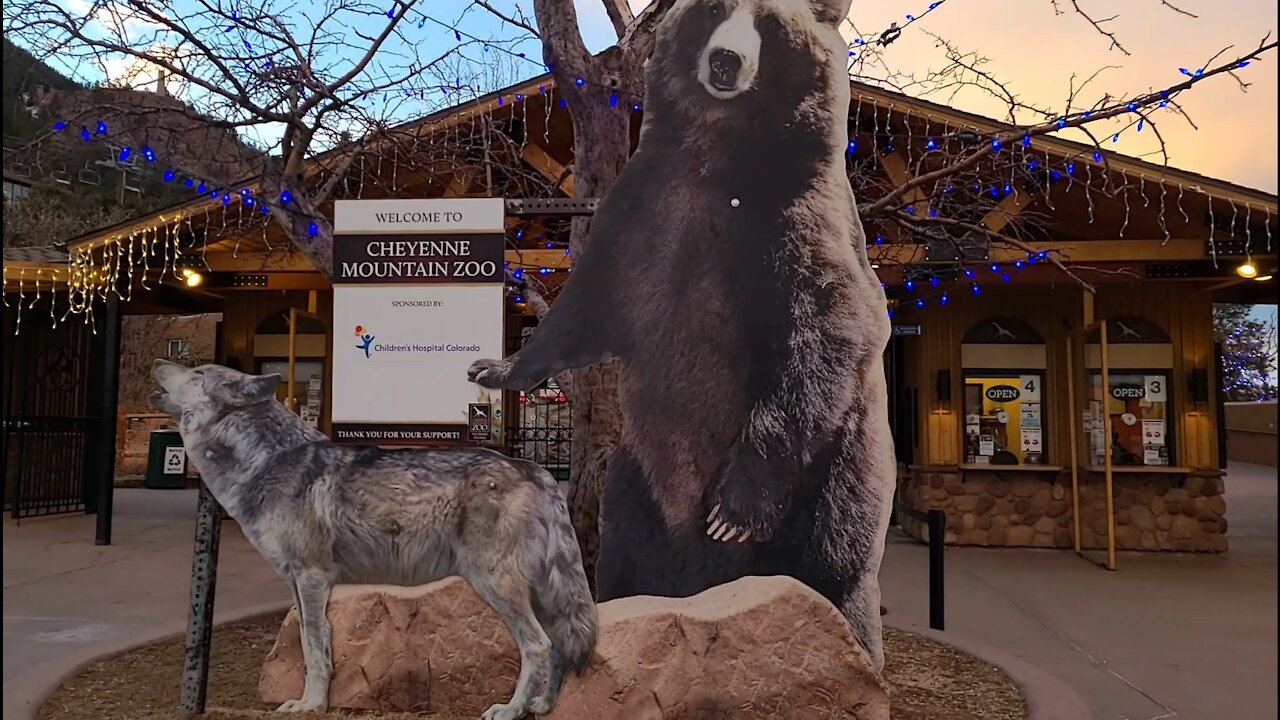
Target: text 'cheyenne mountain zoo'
point(418, 297)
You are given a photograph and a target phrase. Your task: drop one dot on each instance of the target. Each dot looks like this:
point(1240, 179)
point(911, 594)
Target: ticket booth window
point(1003, 418)
point(1137, 405)
point(1003, 360)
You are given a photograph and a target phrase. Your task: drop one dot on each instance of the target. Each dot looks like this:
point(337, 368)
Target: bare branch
point(620, 15)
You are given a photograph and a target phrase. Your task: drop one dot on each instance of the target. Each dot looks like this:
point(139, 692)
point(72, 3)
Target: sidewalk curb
point(1048, 698)
point(24, 694)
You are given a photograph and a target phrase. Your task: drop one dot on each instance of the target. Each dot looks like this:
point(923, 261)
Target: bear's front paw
point(489, 373)
point(744, 504)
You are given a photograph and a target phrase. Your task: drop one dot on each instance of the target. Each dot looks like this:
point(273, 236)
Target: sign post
point(418, 297)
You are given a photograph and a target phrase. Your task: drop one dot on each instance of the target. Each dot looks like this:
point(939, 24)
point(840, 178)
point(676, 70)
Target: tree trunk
point(602, 142)
point(602, 145)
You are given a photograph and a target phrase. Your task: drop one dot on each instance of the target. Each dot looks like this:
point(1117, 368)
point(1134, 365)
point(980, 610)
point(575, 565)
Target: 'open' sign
point(1128, 392)
point(1003, 393)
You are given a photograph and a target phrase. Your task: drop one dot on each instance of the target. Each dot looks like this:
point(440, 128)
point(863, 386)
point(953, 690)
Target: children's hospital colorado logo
point(367, 343)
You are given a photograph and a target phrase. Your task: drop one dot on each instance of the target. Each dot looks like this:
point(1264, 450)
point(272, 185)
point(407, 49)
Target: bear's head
point(767, 59)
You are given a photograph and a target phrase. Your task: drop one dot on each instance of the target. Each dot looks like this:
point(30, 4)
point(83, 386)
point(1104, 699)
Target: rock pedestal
point(757, 648)
point(436, 648)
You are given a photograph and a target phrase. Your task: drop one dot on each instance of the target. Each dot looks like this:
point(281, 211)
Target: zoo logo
point(366, 339)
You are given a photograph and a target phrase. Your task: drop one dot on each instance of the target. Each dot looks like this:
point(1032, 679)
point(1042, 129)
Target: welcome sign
point(418, 297)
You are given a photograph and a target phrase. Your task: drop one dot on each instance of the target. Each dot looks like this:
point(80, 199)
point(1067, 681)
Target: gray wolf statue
point(727, 274)
point(324, 514)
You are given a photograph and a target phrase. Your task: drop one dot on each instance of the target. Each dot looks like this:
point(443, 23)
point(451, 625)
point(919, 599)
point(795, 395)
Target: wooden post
point(1075, 450)
point(108, 400)
point(1106, 440)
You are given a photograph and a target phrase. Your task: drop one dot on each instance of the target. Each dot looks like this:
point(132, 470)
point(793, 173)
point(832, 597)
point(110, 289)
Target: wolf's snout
point(725, 66)
point(162, 369)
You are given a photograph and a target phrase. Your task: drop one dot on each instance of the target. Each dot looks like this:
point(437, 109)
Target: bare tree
point(325, 91)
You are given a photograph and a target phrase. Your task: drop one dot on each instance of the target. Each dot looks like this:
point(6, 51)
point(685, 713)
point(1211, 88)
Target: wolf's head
point(748, 57)
point(211, 389)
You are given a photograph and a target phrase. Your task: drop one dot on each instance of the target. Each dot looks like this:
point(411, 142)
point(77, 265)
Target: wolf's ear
point(257, 388)
point(830, 12)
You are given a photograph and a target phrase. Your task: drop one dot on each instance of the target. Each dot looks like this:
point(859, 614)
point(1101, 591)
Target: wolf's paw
point(303, 705)
point(489, 373)
point(505, 712)
point(541, 705)
point(743, 506)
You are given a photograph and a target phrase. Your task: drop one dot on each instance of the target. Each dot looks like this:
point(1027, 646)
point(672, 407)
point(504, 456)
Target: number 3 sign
point(1156, 389)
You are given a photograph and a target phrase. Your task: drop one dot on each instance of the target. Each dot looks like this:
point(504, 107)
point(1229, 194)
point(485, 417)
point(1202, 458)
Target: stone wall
point(1012, 508)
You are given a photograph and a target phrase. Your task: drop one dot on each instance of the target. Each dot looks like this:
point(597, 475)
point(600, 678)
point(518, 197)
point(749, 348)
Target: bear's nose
point(724, 65)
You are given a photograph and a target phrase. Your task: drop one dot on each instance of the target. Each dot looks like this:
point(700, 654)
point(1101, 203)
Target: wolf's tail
point(564, 605)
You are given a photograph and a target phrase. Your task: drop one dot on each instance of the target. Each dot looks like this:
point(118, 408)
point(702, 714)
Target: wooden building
point(1010, 360)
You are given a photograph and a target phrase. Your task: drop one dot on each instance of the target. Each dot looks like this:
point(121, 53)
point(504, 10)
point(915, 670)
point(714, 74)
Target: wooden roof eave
point(1063, 147)
point(449, 117)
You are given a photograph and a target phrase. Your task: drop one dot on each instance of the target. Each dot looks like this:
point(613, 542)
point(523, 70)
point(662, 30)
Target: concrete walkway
point(1167, 636)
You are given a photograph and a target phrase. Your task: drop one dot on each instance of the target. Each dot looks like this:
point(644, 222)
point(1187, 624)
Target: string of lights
point(94, 278)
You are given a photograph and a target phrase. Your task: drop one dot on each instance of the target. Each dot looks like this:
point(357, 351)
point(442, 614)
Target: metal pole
point(109, 400)
point(937, 539)
point(204, 574)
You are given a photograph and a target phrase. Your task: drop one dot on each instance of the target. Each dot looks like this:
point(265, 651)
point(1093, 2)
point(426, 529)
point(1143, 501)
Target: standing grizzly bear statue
point(727, 274)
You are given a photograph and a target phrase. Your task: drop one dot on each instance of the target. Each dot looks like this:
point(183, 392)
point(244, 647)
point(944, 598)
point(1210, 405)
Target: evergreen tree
point(1248, 353)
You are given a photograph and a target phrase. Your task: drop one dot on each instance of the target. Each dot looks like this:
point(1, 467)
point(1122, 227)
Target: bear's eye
point(715, 9)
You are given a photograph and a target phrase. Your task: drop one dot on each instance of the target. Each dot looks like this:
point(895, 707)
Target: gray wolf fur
point(755, 436)
point(324, 514)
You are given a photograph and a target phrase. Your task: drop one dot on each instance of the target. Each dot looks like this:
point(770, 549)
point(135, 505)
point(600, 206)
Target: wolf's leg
point(546, 700)
point(508, 594)
point(311, 591)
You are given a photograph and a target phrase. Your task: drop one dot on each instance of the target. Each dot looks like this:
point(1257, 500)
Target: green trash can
point(166, 461)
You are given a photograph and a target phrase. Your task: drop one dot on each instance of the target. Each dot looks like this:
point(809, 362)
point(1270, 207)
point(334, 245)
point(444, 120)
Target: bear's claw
point(489, 373)
point(723, 531)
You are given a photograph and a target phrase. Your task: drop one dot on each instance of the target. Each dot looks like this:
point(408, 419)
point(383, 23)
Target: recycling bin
point(166, 461)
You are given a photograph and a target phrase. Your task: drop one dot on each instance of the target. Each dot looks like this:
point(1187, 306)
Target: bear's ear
point(830, 12)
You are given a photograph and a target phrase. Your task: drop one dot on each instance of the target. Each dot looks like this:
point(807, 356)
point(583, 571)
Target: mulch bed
point(928, 681)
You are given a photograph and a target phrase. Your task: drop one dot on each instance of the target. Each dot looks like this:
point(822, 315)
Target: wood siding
point(1057, 312)
point(243, 311)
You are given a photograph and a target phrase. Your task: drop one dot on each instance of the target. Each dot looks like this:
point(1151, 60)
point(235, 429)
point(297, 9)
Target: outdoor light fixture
point(1247, 270)
point(190, 269)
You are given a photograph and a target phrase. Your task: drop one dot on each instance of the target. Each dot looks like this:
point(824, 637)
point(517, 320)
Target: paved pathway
point(1167, 636)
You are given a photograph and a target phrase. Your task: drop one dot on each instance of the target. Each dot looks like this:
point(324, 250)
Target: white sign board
point(1156, 391)
point(418, 297)
point(175, 461)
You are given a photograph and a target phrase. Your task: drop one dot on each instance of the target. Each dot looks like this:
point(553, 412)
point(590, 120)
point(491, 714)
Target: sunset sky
point(1033, 50)
point(1036, 52)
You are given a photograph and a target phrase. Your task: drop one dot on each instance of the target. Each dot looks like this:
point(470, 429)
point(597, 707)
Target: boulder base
point(756, 648)
point(436, 648)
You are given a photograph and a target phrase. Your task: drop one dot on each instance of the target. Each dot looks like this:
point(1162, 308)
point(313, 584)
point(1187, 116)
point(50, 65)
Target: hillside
point(81, 185)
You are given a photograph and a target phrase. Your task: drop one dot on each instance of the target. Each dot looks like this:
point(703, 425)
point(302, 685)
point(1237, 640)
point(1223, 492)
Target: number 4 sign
point(1030, 387)
point(1156, 390)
